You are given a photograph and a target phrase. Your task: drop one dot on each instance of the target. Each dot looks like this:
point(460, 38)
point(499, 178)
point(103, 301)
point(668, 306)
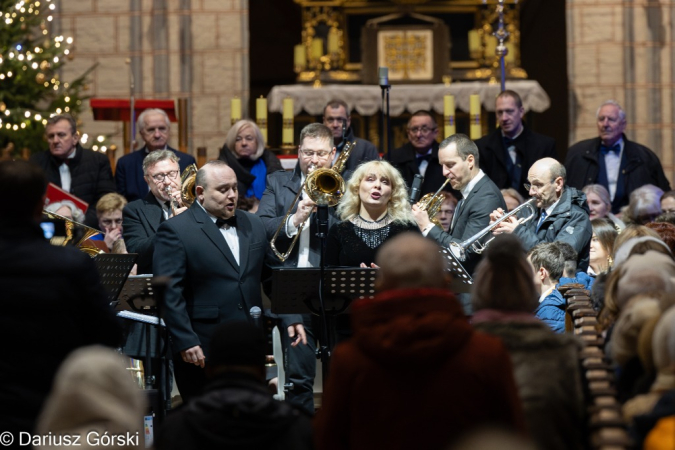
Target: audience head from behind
point(409, 261)
point(547, 261)
point(632, 231)
point(644, 205)
point(666, 233)
point(237, 347)
point(570, 257)
point(503, 279)
point(668, 202)
point(512, 198)
point(24, 186)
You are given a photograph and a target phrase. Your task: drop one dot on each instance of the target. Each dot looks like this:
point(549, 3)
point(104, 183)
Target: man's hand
point(507, 226)
point(496, 215)
point(421, 216)
point(111, 236)
point(297, 334)
point(305, 208)
point(194, 355)
point(372, 266)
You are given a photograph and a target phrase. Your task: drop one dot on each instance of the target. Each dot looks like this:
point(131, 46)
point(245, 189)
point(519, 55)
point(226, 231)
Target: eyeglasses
point(319, 153)
point(423, 130)
point(159, 177)
point(108, 222)
point(537, 188)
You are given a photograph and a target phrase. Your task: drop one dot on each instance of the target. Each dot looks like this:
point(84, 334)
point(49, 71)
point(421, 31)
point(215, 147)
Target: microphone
point(415, 189)
point(255, 313)
point(384, 76)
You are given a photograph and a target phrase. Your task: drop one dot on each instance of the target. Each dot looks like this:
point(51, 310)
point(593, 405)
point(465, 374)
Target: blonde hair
point(399, 208)
point(109, 203)
point(231, 137)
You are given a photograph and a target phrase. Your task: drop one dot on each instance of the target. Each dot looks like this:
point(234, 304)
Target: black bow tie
point(616, 148)
point(231, 222)
point(508, 142)
point(421, 158)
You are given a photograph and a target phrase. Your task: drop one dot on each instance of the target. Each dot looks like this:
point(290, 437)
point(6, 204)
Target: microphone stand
point(326, 334)
point(386, 119)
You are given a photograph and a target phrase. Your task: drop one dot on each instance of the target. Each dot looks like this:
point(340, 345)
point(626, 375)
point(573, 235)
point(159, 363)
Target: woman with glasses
point(244, 151)
point(374, 208)
point(109, 213)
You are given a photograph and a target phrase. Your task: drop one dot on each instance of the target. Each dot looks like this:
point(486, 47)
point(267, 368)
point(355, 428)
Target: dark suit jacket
point(141, 220)
point(474, 216)
point(129, 173)
point(362, 152)
point(404, 159)
point(529, 145)
point(639, 166)
point(90, 173)
point(207, 285)
point(52, 303)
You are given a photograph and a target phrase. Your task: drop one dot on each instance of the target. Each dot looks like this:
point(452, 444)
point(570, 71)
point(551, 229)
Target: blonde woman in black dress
point(374, 208)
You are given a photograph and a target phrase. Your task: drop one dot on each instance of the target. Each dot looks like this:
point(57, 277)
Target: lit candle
point(317, 48)
point(300, 56)
point(474, 44)
point(261, 115)
point(474, 117)
point(235, 110)
point(287, 128)
point(449, 114)
point(333, 41)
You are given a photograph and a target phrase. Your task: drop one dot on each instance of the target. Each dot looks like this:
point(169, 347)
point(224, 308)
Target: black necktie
point(231, 222)
point(616, 149)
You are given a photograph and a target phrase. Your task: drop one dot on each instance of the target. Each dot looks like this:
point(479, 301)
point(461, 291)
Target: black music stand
point(461, 280)
point(113, 270)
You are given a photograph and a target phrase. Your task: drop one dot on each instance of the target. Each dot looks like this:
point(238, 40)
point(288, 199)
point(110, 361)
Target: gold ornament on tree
point(40, 78)
point(3, 107)
point(44, 65)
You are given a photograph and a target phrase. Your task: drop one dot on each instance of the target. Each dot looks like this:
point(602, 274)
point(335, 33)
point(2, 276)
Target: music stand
point(461, 280)
point(113, 270)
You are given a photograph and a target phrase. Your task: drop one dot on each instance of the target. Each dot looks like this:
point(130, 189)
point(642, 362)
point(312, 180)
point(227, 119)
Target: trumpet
point(473, 243)
point(324, 186)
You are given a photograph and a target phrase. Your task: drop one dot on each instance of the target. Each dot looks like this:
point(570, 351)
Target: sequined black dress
point(351, 245)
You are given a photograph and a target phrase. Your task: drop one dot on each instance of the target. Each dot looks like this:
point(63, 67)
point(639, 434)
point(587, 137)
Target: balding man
point(154, 127)
point(410, 340)
point(612, 160)
point(562, 212)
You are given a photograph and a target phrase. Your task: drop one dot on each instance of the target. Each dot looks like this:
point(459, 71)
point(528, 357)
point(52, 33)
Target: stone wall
point(624, 50)
point(196, 49)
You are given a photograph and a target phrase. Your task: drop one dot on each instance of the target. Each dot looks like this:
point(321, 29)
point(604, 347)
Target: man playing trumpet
point(562, 212)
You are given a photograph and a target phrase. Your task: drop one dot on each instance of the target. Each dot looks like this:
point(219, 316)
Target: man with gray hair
point(613, 161)
point(154, 127)
point(561, 212)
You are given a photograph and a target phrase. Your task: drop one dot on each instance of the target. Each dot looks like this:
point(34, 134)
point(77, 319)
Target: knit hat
point(238, 343)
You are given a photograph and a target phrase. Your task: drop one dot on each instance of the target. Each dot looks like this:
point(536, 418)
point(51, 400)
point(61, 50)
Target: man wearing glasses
point(316, 150)
point(420, 155)
point(562, 212)
point(142, 217)
point(336, 117)
point(155, 129)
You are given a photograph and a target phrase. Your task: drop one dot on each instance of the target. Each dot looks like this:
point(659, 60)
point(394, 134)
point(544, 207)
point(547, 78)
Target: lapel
point(466, 202)
point(152, 212)
point(243, 233)
point(292, 186)
point(213, 233)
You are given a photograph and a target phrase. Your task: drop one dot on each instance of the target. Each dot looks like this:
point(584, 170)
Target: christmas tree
point(30, 88)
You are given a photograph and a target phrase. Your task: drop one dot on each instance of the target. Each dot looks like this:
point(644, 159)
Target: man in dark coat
point(52, 300)
point(562, 212)
point(154, 127)
point(214, 259)
point(420, 155)
point(612, 160)
point(336, 117)
point(84, 173)
point(507, 153)
point(236, 410)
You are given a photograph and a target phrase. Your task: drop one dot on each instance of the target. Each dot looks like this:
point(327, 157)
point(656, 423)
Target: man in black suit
point(82, 172)
point(507, 153)
point(336, 117)
point(214, 259)
point(316, 149)
point(154, 127)
point(612, 160)
point(460, 159)
point(420, 155)
point(142, 217)
point(52, 300)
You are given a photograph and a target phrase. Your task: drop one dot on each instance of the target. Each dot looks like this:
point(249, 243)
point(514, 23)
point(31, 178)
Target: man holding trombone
point(562, 212)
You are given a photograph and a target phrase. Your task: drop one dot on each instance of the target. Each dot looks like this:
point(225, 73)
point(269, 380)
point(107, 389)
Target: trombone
point(324, 186)
point(473, 243)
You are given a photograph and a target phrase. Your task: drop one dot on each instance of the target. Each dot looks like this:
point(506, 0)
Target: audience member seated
point(67, 209)
point(95, 400)
point(656, 429)
point(663, 353)
point(668, 202)
point(666, 233)
point(447, 211)
point(600, 205)
point(512, 198)
point(545, 364)
point(644, 205)
point(244, 151)
point(490, 438)
point(666, 217)
point(547, 262)
point(236, 410)
point(414, 355)
point(602, 246)
point(570, 274)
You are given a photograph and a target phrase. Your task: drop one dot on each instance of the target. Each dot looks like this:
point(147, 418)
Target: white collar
point(472, 184)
